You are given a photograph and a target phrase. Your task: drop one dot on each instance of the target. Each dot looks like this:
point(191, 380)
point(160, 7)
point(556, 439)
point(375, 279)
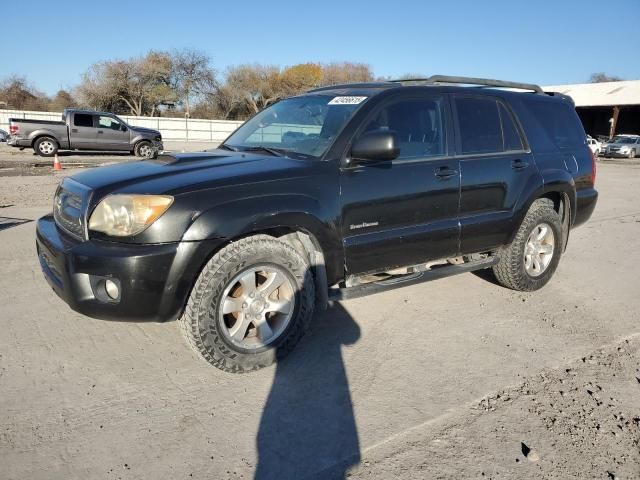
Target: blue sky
point(543, 42)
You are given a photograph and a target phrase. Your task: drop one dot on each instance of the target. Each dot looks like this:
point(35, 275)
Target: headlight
point(624, 150)
point(127, 215)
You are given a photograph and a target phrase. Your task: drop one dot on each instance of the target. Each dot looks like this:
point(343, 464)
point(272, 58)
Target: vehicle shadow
point(308, 428)
point(487, 275)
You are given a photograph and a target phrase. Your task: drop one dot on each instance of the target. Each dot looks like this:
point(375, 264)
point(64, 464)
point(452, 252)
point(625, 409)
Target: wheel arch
point(44, 134)
point(297, 219)
point(562, 193)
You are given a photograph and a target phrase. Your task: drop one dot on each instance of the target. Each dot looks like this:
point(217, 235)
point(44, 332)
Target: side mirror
point(375, 146)
point(123, 128)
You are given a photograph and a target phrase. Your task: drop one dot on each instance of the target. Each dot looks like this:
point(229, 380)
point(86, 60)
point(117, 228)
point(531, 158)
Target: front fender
point(296, 212)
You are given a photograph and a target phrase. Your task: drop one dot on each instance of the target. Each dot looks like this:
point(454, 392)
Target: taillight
point(13, 129)
point(593, 167)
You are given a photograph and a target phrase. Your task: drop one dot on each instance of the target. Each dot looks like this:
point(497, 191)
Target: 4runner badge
point(363, 225)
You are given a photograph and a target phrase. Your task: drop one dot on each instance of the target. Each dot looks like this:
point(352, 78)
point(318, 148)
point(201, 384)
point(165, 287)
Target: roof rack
point(485, 82)
point(351, 85)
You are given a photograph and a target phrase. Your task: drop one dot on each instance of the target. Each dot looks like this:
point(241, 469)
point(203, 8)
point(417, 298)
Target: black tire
point(510, 270)
point(140, 147)
point(46, 146)
point(632, 154)
point(200, 321)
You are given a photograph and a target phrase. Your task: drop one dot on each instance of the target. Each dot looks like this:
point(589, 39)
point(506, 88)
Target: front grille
point(68, 208)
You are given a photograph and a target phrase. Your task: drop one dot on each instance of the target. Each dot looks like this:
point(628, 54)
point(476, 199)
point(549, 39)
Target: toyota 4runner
point(340, 192)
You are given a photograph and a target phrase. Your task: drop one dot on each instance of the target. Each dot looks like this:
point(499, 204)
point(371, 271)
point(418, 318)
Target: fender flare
point(286, 212)
point(554, 181)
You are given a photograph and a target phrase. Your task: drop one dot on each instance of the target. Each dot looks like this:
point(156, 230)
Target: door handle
point(100, 132)
point(74, 130)
point(519, 164)
point(444, 173)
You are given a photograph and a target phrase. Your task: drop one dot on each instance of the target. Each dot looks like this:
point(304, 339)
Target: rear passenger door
point(82, 132)
point(403, 212)
point(496, 165)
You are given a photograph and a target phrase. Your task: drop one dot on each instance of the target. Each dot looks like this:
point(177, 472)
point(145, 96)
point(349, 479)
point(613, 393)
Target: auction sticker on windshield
point(347, 100)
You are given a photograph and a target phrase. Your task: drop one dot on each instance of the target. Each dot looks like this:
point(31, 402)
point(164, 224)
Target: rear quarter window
point(560, 122)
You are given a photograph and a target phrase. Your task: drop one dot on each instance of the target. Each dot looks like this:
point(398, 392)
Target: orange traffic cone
point(56, 163)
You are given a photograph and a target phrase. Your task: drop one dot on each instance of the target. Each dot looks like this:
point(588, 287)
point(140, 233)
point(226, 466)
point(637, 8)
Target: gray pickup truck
point(83, 130)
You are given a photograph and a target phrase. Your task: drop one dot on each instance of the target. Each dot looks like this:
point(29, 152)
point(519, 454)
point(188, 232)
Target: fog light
point(112, 289)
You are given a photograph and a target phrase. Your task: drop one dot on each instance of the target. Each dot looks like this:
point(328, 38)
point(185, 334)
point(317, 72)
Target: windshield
point(623, 140)
point(302, 126)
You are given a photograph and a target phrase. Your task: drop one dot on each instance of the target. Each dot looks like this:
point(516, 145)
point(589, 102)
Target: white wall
point(172, 129)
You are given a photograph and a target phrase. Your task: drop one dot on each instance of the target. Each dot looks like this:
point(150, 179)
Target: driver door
point(405, 211)
point(111, 133)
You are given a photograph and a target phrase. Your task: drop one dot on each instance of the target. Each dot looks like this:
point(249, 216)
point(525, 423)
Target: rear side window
point(479, 123)
point(83, 120)
point(560, 122)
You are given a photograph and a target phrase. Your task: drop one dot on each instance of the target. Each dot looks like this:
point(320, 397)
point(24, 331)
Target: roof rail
point(350, 85)
point(485, 82)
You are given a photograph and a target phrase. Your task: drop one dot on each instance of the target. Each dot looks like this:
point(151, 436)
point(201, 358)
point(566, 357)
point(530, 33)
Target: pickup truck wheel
point(250, 305)
point(532, 258)
point(46, 147)
point(144, 149)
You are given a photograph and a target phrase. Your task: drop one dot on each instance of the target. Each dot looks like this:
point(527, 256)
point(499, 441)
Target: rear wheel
point(46, 146)
point(250, 305)
point(530, 261)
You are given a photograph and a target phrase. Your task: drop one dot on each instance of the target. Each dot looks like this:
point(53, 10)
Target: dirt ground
point(16, 162)
point(457, 378)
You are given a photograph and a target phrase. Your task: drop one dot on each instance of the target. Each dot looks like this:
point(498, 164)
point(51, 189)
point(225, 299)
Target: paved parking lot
point(454, 378)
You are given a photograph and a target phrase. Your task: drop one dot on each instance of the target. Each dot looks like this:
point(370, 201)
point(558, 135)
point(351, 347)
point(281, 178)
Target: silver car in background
point(622, 146)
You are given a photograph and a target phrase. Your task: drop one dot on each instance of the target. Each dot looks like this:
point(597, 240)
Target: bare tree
point(601, 77)
point(345, 72)
point(138, 84)
point(301, 77)
point(63, 99)
point(258, 85)
point(17, 93)
point(193, 76)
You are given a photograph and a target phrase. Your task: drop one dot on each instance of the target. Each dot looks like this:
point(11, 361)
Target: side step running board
point(364, 289)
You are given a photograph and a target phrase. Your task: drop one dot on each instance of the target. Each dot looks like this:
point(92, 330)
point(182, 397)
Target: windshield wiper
point(273, 151)
point(224, 146)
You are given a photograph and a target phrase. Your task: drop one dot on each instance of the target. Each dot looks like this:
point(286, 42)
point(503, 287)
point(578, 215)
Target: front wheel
point(144, 149)
point(529, 262)
point(632, 154)
point(250, 305)
point(46, 147)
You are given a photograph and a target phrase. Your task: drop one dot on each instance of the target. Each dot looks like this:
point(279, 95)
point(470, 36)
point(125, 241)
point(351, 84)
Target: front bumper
point(616, 154)
point(155, 280)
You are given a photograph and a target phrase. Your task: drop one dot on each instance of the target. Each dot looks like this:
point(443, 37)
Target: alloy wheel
point(257, 306)
point(539, 249)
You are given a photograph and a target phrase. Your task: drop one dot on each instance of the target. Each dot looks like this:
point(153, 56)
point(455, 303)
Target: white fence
point(172, 129)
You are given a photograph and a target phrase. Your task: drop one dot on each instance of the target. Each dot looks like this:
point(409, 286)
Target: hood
point(148, 131)
point(188, 172)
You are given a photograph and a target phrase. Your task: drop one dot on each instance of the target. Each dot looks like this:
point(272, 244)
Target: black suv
point(341, 192)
